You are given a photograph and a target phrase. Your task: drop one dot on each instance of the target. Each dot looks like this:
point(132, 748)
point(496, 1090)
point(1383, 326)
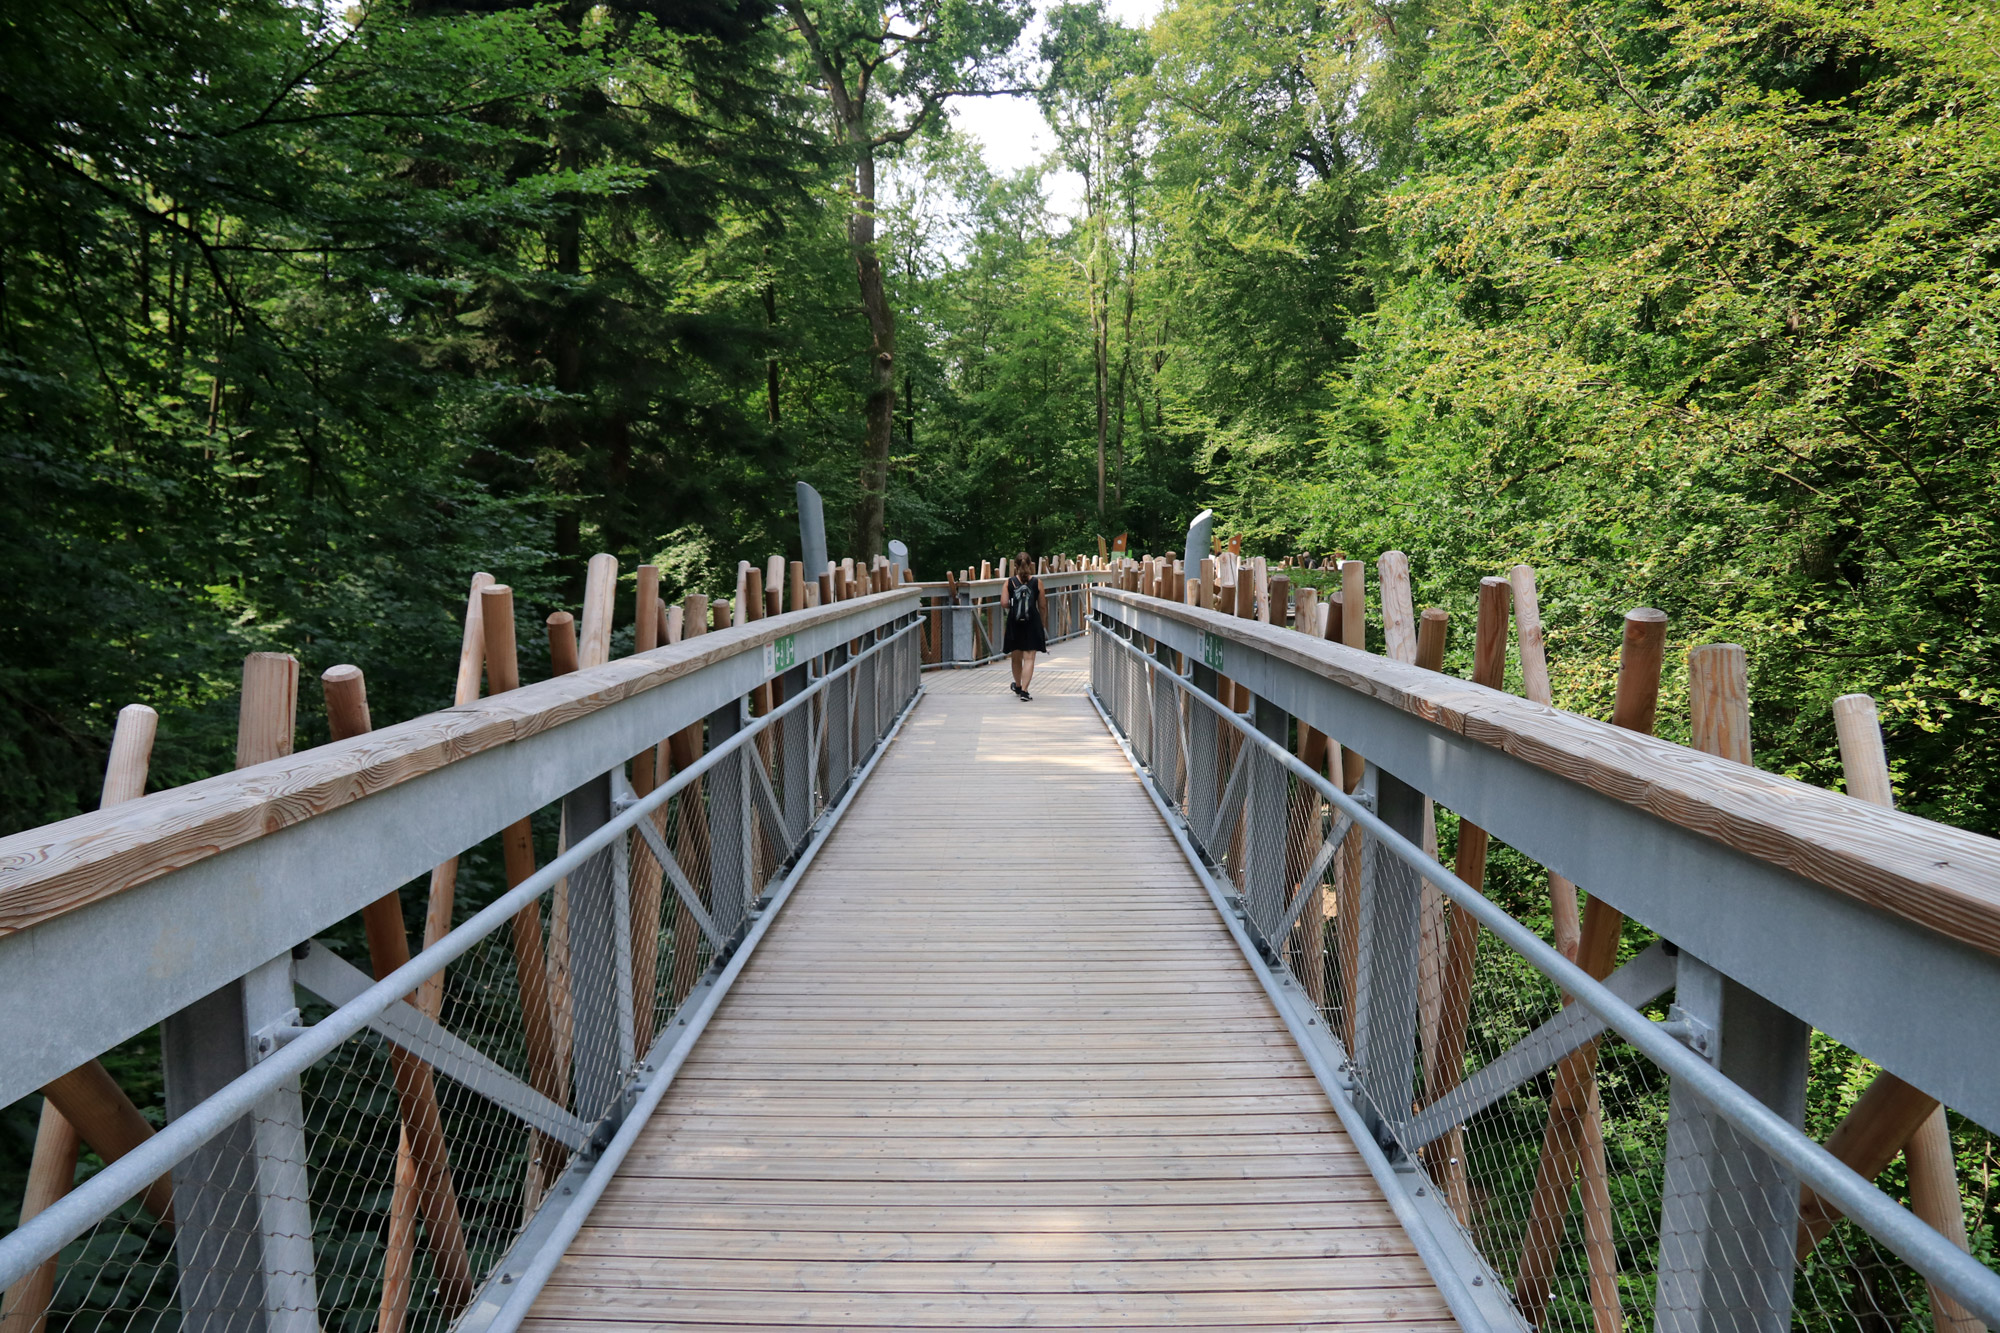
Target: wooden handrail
point(1944, 878)
point(57, 868)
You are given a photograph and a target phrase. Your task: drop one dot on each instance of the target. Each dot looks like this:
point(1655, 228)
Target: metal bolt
point(1420, 1191)
point(506, 1278)
point(1478, 1281)
point(567, 1190)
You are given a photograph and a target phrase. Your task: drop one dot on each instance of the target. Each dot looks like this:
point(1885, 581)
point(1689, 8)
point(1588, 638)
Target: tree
point(887, 70)
point(1093, 62)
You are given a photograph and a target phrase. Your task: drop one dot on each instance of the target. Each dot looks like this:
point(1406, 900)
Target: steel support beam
point(600, 1007)
point(1385, 1020)
point(242, 1207)
point(1729, 1214)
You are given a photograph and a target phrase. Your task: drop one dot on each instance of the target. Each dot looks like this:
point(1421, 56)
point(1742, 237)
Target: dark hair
point(1024, 565)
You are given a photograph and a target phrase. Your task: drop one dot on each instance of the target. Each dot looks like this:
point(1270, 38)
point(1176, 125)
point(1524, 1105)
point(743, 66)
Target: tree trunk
point(879, 411)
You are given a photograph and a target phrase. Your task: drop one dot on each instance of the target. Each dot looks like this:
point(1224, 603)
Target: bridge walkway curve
point(997, 1064)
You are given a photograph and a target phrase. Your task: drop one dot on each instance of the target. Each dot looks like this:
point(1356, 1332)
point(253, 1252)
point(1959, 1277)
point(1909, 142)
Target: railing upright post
point(731, 859)
point(1385, 1021)
point(1729, 1214)
point(839, 725)
point(1204, 749)
point(242, 1208)
point(1268, 809)
point(1166, 725)
point(599, 936)
point(866, 695)
point(795, 743)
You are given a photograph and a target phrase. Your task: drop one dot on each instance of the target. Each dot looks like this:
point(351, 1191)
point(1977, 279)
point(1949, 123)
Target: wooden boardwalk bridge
point(790, 973)
point(1012, 1075)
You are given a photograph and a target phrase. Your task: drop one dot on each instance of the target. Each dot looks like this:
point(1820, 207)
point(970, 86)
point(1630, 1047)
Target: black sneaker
point(1015, 686)
point(1026, 697)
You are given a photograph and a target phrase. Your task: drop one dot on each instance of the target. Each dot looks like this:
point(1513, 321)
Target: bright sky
point(1011, 131)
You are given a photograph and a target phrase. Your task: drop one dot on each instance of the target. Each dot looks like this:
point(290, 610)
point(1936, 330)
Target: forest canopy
point(311, 310)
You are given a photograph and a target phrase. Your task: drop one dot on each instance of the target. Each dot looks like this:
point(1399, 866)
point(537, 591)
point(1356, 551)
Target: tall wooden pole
point(1444, 1063)
point(531, 965)
point(422, 1141)
point(100, 1113)
point(1891, 1115)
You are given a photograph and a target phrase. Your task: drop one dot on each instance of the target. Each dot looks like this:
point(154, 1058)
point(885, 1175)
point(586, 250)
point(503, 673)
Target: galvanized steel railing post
point(1204, 783)
point(1729, 1213)
point(595, 941)
point(1385, 1019)
point(839, 725)
point(795, 743)
point(731, 860)
point(1166, 722)
point(1267, 810)
point(243, 1218)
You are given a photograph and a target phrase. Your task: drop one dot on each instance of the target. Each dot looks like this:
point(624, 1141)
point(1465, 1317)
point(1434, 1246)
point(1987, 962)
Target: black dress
point(1025, 636)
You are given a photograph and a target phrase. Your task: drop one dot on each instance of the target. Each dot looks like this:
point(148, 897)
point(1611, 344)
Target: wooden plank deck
point(996, 1065)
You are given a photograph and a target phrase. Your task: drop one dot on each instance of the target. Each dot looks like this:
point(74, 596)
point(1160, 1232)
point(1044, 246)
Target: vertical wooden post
point(1352, 626)
point(600, 593)
point(691, 833)
point(796, 586)
point(1444, 1063)
point(646, 882)
point(531, 966)
point(422, 1140)
point(1566, 926)
point(1934, 1194)
point(1429, 643)
point(100, 1112)
point(1399, 617)
point(444, 878)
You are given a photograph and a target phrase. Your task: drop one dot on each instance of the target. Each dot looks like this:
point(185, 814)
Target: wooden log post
point(1444, 1062)
point(1890, 1116)
point(422, 1140)
point(647, 876)
point(1573, 1140)
point(1567, 926)
point(1432, 628)
point(444, 878)
point(531, 966)
point(100, 1113)
point(563, 659)
point(684, 749)
point(1351, 624)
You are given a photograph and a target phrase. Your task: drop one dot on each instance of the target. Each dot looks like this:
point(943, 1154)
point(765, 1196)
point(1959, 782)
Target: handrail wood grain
point(58, 868)
point(1946, 879)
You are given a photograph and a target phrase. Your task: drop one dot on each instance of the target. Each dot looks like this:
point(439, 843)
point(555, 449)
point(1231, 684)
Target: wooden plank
point(1004, 1246)
point(916, 1310)
point(676, 1273)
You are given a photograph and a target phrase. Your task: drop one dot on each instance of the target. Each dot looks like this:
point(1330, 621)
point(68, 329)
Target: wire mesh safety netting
point(1597, 1193)
point(381, 1188)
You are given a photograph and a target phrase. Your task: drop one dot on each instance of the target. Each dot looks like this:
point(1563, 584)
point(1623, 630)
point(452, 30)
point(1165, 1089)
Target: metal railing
point(1567, 1152)
point(413, 1152)
point(965, 623)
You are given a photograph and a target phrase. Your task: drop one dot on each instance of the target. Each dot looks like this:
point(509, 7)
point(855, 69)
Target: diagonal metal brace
point(1309, 882)
point(1231, 803)
point(678, 878)
point(766, 798)
point(1646, 978)
point(337, 981)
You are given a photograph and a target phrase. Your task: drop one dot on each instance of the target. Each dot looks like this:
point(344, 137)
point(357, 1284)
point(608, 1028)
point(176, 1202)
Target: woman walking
point(1025, 635)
